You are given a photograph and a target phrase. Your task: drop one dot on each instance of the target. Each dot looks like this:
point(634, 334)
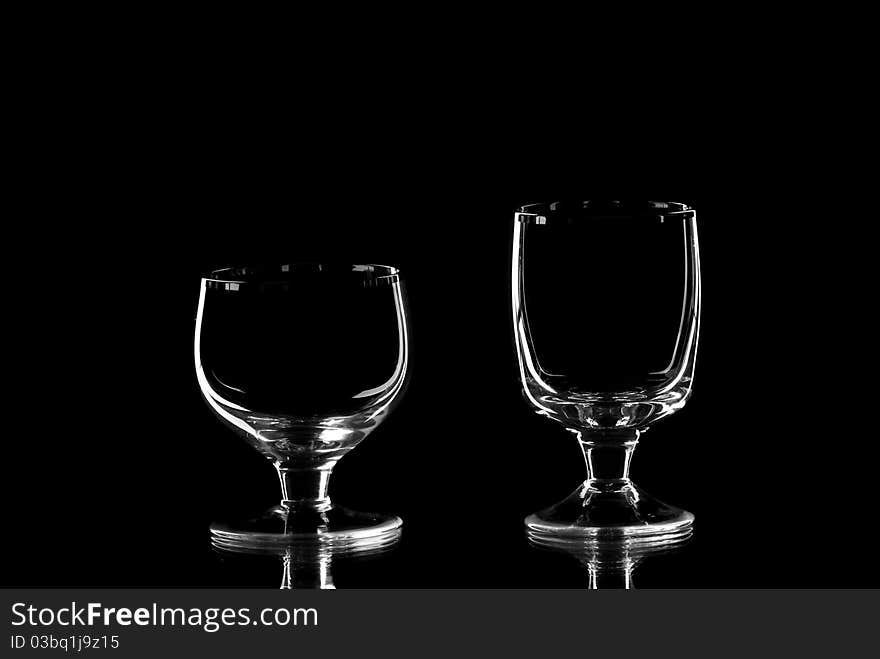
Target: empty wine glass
point(303, 361)
point(606, 314)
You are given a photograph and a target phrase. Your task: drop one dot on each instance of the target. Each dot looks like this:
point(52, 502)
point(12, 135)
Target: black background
point(116, 467)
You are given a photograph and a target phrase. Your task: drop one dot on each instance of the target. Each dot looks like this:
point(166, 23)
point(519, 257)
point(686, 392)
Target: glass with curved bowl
point(606, 315)
point(303, 361)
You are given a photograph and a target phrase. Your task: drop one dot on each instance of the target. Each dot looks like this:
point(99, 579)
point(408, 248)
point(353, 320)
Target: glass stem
point(304, 488)
point(607, 454)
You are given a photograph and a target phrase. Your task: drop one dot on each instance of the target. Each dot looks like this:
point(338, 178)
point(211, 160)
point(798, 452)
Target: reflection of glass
point(309, 565)
point(303, 361)
point(610, 564)
point(606, 312)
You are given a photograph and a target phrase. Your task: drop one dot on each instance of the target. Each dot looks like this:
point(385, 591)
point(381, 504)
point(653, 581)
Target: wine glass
point(303, 360)
point(606, 315)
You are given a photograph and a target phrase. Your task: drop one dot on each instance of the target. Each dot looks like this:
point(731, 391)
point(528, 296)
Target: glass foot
point(334, 528)
point(592, 516)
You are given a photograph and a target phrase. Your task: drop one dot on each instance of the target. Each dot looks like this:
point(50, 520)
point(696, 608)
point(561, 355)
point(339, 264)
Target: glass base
point(334, 528)
point(606, 517)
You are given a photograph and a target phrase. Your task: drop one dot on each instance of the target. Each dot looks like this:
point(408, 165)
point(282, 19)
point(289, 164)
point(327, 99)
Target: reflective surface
point(303, 361)
point(606, 309)
point(308, 564)
point(405, 562)
point(610, 563)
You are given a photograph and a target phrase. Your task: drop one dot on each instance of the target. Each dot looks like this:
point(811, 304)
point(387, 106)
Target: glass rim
point(265, 273)
point(605, 209)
